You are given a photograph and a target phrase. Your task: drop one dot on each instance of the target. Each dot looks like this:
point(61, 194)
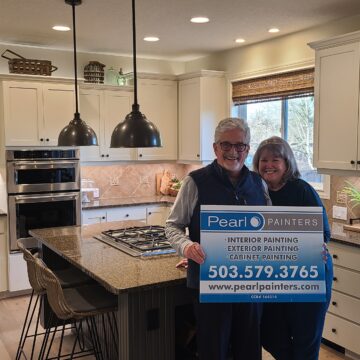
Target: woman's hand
point(182, 264)
point(195, 252)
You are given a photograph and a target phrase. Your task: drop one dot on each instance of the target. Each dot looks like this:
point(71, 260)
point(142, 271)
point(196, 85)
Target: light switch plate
point(339, 212)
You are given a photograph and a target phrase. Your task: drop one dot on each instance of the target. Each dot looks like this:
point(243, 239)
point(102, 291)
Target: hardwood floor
point(12, 313)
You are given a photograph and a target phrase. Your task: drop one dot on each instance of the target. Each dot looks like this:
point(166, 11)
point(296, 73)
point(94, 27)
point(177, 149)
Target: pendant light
point(136, 131)
point(77, 133)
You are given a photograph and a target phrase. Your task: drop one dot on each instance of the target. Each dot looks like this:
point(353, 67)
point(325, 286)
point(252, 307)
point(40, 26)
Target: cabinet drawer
point(346, 281)
point(126, 213)
point(93, 216)
point(345, 306)
point(346, 256)
point(342, 332)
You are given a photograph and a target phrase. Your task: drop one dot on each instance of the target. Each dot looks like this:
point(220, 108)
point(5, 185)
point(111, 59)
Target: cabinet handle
point(335, 278)
point(41, 139)
point(127, 215)
point(352, 162)
point(358, 162)
point(102, 155)
point(149, 213)
point(334, 303)
point(47, 139)
point(103, 217)
point(333, 330)
point(107, 155)
point(335, 256)
point(140, 155)
point(198, 155)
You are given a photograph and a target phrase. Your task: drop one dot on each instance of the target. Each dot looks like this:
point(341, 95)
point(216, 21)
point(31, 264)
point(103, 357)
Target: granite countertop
point(338, 234)
point(115, 270)
point(128, 201)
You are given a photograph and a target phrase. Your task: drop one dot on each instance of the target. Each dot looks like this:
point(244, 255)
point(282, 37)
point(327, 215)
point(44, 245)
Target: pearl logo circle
point(255, 221)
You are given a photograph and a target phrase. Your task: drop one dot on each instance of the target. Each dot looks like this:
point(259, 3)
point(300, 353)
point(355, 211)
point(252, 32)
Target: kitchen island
point(149, 290)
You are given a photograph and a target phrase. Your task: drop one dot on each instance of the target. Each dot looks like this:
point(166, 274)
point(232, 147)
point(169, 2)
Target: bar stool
point(67, 277)
point(80, 304)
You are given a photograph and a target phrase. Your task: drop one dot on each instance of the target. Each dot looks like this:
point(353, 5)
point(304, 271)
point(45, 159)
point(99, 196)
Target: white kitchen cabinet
point(342, 324)
point(103, 109)
point(18, 276)
point(202, 104)
point(36, 112)
point(3, 255)
point(337, 91)
point(158, 102)
point(157, 215)
point(149, 214)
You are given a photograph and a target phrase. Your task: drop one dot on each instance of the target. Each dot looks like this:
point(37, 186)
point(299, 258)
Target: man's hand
point(195, 252)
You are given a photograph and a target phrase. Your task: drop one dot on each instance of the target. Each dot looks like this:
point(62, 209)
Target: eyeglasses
point(226, 146)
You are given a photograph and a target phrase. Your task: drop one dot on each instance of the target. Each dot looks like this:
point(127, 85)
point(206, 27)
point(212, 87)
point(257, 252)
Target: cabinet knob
point(334, 303)
point(127, 215)
point(47, 139)
point(335, 278)
point(140, 155)
point(102, 155)
point(149, 212)
point(41, 139)
point(335, 256)
point(198, 155)
point(107, 155)
point(103, 217)
point(333, 330)
point(352, 162)
point(358, 162)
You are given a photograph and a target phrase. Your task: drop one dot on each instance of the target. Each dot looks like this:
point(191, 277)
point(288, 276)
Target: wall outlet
point(114, 181)
point(339, 212)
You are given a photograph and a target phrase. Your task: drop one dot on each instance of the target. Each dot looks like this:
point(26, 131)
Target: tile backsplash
point(127, 180)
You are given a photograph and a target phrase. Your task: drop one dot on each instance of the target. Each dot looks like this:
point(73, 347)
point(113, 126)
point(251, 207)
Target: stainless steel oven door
point(42, 176)
point(37, 211)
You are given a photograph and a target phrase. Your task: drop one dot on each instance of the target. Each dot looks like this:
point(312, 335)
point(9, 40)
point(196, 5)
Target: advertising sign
point(262, 254)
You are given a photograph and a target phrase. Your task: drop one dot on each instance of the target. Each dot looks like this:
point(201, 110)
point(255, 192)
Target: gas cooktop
point(139, 240)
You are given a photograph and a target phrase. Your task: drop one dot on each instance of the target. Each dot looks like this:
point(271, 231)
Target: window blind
point(274, 87)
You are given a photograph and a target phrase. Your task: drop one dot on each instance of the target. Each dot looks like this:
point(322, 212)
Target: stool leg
point(114, 338)
point(27, 323)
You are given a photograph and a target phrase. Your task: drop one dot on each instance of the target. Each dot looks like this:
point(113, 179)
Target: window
point(290, 116)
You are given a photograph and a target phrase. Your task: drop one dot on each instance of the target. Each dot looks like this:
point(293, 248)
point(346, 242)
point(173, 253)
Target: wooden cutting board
point(354, 227)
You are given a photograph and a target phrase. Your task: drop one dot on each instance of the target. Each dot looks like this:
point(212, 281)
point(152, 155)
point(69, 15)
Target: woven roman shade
point(274, 87)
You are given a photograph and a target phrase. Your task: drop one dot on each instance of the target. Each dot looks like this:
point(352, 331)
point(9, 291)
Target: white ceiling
point(104, 26)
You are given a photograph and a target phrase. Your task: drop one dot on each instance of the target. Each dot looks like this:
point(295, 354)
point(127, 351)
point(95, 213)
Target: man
point(221, 327)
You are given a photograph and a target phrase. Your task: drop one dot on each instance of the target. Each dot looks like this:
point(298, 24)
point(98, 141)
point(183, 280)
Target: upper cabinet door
point(158, 102)
point(23, 110)
point(59, 109)
point(337, 107)
point(91, 104)
point(117, 105)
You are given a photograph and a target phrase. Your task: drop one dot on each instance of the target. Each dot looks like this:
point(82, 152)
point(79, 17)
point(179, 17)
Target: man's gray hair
point(280, 148)
point(230, 124)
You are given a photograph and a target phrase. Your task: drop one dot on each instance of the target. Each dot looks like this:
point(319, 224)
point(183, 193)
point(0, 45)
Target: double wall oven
point(43, 189)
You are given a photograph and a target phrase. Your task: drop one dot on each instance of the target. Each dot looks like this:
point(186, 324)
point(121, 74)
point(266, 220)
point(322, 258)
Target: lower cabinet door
point(342, 332)
point(18, 276)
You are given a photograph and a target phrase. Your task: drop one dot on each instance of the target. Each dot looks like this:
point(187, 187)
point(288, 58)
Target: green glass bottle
point(121, 80)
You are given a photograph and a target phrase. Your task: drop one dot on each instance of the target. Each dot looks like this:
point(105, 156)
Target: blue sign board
point(262, 254)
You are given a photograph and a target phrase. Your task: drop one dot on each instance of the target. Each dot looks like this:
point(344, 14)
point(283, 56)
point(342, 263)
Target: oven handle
point(23, 165)
point(23, 199)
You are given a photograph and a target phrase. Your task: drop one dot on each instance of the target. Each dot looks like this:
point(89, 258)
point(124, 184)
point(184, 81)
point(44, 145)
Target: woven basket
point(21, 65)
point(94, 72)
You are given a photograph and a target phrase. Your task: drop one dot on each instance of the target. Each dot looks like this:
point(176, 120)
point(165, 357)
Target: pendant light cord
point(75, 60)
point(135, 105)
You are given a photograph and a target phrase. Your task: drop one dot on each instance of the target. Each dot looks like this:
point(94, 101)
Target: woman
point(291, 331)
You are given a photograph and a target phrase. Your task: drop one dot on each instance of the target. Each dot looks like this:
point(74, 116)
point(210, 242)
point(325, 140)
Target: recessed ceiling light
point(273, 30)
point(61, 28)
point(240, 40)
point(199, 20)
point(151, 38)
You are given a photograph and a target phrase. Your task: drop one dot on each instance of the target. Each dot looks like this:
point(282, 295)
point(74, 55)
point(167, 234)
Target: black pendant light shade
point(77, 133)
point(136, 131)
